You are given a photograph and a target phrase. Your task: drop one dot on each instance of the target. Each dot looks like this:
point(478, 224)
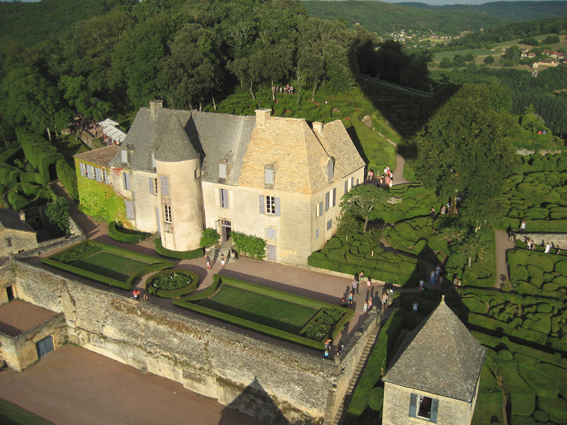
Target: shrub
point(376, 399)
point(556, 409)
point(251, 246)
point(179, 255)
point(117, 232)
point(172, 283)
point(209, 238)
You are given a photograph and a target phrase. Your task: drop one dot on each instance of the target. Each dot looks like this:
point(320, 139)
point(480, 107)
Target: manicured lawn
point(273, 312)
point(10, 414)
point(111, 265)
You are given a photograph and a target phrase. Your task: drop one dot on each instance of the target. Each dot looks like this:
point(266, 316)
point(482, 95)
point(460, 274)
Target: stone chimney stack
point(318, 127)
point(22, 215)
point(155, 107)
point(262, 116)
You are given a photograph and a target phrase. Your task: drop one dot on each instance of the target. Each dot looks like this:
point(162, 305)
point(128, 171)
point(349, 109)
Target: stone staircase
point(340, 415)
point(217, 251)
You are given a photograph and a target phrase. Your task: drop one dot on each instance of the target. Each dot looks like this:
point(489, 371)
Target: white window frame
point(270, 205)
point(223, 198)
point(167, 216)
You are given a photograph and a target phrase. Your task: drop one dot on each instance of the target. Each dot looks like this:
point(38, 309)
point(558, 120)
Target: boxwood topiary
point(556, 409)
point(172, 283)
point(376, 399)
point(180, 255)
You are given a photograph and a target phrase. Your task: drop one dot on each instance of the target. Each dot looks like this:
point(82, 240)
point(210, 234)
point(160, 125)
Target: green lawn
point(10, 414)
point(111, 265)
point(259, 308)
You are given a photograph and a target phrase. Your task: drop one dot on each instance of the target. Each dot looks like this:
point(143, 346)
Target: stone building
point(435, 374)
point(276, 178)
point(16, 235)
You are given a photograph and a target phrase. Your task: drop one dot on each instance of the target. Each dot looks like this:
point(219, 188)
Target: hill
point(509, 10)
point(30, 23)
point(385, 18)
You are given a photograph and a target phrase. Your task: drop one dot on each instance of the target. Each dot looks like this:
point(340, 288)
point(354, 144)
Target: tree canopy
point(362, 203)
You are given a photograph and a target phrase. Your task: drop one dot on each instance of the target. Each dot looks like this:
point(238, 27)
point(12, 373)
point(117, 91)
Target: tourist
point(443, 210)
point(523, 226)
point(529, 244)
point(354, 286)
point(370, 304)
point(350, 298)
point(432, 277)
point(145, 299)
point(328, 344)
point(208, 261)
point(340, 348)
point(456, 283)
point(415, 306)
point(222, 261)
point(558, 251)
point(370, 175)
point(136, 294)
point(432, 213)
point(326, 354)
point(547, 248)
point(421, 285)
point(343, 302)
point(365, 308)
point(369, 285)
point(384, 299)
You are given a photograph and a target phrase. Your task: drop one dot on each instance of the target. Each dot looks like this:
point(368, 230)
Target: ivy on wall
point(100, 201)
point(251, 246)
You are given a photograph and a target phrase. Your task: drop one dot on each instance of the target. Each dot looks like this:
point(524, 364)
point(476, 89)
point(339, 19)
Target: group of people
point(287, 89)
point(385, 180)
point(436, 277)
point(329, 349)
point(445, 209)
point(136, 295)
point(209, 263)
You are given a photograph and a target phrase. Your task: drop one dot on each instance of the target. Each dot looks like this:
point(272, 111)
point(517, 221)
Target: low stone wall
point(274, 384)
point(20, 351)
point(557, 240)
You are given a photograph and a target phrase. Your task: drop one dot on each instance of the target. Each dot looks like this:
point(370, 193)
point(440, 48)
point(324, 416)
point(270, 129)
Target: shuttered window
point(329, 224)
point(90, 172)
point(224, 198)
point(129, 209)
point(222, 171)
point(270, 233)
point(269, 176)
point(320, 211)
point(272, 205)
point(164, 185)
point(98, 174)
point(83, 169)
point(334, 203)
point(331, 169)
point(346, 187)
point(327, 201)
point(126, 181)
point(124, 156)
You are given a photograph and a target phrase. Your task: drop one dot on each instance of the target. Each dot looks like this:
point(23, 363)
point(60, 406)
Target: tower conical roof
point(175, 143)
point(440, 356)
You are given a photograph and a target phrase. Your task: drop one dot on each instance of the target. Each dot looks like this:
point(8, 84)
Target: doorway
point(10, 292)
point(226, 227)
point(44, 346)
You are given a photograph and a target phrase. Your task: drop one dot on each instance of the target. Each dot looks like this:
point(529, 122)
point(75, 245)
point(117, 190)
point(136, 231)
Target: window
point(357, 182)
point(320, 210)
point(223, 198)
point(268, 176)
point(197, 173)
point(317, 234)
point(222, 171)
point(124, 156)
point(334, 203)
point(424, 408)
point(83, 169)
point(327, 201)
point(167, 214)
point(129, 209)
point(153, 183)
point(270, 205)
point(9, 242)
point(331, 169)
point(98, 175)
point(329, 224)
point(346, 187)
point(126, 181)
point(270, 233)
point(153, 160)
point(90, 172)
point(351, 182)
point(105, 177)
point(164, 185)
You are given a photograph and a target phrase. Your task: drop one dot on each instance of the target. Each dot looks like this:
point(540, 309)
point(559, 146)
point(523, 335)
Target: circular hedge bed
point(172, 283)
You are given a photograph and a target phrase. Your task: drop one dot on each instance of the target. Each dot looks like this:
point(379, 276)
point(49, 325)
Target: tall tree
point(363, 202)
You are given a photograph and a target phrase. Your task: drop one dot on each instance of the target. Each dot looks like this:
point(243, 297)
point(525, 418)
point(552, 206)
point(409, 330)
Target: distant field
point(476, 52)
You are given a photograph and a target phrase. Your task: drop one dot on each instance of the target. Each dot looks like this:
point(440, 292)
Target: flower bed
point(172, 283)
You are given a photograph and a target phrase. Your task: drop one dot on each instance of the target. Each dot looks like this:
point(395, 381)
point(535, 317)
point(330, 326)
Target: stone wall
point(272, 383)
point(557, 240)
point(21, 351)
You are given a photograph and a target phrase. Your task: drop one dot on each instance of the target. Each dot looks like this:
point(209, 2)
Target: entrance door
point(272, 252)
point(44, 346)
point(226, 230)
point(10, 293)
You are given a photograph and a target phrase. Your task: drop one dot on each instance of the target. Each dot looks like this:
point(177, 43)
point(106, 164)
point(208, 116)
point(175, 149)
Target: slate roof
point(440, 357)
point(10, 219)
point(289, 144)
point(100, 156)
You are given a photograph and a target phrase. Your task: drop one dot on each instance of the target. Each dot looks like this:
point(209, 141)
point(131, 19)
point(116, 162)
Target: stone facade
point(557, 240)
point(271, 177)
point(274, 384)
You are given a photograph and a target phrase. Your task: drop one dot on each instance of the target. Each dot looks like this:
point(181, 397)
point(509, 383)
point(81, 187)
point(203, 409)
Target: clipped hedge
point(193, 284)
point(179, 255)
point(85, 273)
point(375, 368)
point(120, 234)
point(38, 151)
point(67, 177)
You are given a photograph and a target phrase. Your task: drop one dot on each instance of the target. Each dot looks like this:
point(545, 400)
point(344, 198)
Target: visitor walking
point(370, 304)
point(547, 248)
point(415, 306)
point(384, 299)
point(523, 226)
point(350, 298)
point(512, 236)
point(208, 261)
point(421, 285)
point(222, 261)
point(355, 286)
point(431, 278)
point(369, 285)
point(365, 308)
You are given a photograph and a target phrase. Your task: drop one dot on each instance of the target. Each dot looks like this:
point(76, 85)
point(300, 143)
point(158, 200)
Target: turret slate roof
point(440, 357)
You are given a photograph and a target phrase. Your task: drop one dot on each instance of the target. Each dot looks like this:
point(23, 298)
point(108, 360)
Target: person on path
point(354, 286)
point(523, 226)
point(432, 213)
point(361, 276)
point(415, 306)
point(421, 285)
point(350, 298)
point(512, 236)
point(208, 260)
point(222, 261)
point(343, 302)
point(370, 304)
point(145, 299)
point(365, 308)
point(384, 299)
point(326, 354)
point(431, 278)
point(547, 248)
point(136, 294)
point(369, 285)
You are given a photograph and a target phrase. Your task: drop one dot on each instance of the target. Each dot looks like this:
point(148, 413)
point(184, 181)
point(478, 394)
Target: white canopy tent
point(115, 134)
point(107, 122)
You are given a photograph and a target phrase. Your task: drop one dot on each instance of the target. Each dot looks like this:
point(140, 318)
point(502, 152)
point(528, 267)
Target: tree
point(489, 60)
point(466, 150)
point(57, 213)
point(363, 202)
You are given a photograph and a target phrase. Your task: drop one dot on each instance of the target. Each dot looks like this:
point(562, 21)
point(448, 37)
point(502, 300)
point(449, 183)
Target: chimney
point(155, 107)
point(262, 116)
point(318, 127)
point(22, 215)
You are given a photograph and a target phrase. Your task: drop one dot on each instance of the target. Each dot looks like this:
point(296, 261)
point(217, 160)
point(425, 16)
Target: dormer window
point(223, 169)
point(153, 160)
point(124, 154)
point(331, 169)
point(269, 175)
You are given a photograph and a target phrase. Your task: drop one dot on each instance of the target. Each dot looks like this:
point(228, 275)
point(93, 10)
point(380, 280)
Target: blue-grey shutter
point(164, 183)
point(90, 172)
point(434, 408)
point(331, 171)
point(329, 224)
point(83, 169)
point(352, 182)
point(327, 201)
point(157, 219)
point(222, 171)
point(316, 233)
point(98, 174)
point(413, 406)
point(129, 209)
point(105, 176)
point(262, 211)
point(126, 177)
point(277, 206)
point(346, 187)
point(334, 197)
point(153, 160)
point(124, 155)
point(151, 183)
point(320, 209)
point(224, 198)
